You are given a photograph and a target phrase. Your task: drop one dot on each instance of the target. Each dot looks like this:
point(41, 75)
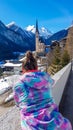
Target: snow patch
point(10, 24)
point(31, 28)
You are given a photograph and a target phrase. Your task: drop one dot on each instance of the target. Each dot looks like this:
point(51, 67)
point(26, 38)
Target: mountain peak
point(30, 28)
point(43, 31)
point(10, 24)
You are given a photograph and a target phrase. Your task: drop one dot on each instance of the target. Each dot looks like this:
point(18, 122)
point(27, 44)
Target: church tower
point(40, 47)
point(37, 37)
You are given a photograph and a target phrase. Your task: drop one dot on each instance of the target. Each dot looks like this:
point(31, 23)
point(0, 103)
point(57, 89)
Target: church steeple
point(40, 48)
point(37, 26)
point(37, 37)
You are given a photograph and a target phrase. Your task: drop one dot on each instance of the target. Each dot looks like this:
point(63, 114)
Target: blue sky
point(55, 15)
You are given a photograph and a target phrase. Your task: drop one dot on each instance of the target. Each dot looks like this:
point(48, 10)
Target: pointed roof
point(37, 26)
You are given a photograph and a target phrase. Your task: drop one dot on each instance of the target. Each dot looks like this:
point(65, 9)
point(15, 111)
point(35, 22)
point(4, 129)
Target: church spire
point(37, 37)
point(39, 46)
point(37, 26)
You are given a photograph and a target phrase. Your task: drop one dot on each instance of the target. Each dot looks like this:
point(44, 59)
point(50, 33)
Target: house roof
point(11, 65)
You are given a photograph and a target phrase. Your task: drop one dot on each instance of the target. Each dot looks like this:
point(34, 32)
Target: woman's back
point(34, 90)
point(33, 96)
point(38, 110)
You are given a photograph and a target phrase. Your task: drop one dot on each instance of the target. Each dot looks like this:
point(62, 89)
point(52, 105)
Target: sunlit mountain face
point(15, 40)
point(42, 31)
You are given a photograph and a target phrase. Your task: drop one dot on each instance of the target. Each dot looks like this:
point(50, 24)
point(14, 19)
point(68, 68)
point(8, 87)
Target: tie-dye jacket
point(32, 94)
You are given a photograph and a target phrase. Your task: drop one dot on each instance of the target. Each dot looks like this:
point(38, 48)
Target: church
point(40, 48)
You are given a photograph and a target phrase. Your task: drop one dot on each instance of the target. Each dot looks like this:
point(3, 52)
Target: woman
point(33, 96)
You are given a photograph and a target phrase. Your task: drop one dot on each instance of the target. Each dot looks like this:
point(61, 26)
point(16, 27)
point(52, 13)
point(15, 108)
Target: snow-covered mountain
point(42, 31)
point(30, 28)
point(14, 39)
point(19, 30)
point(12, 25)
point(45, 32)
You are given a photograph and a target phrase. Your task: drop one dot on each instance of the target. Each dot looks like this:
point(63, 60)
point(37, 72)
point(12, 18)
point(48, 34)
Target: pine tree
point(57, 55)
point(65, 59)
point(56, 62)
